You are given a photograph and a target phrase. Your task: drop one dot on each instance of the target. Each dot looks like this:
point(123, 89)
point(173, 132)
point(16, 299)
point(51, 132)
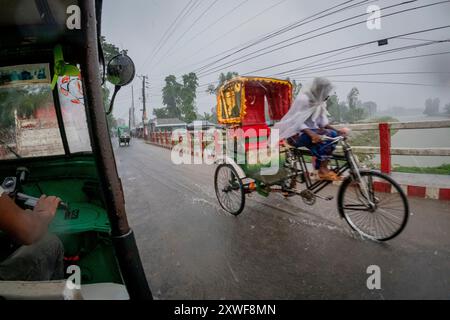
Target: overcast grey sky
point(139, 25)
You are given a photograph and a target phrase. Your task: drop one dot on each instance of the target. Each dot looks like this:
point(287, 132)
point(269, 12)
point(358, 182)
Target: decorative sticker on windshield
point(24, 75)
point(72, 88)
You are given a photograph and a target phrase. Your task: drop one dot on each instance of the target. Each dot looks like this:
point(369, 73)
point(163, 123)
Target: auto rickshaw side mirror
point(120, 72)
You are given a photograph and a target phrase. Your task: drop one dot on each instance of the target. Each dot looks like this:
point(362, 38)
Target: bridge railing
point(385, 150)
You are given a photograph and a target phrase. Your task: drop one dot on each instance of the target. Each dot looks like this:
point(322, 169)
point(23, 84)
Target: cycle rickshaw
point(372, 203)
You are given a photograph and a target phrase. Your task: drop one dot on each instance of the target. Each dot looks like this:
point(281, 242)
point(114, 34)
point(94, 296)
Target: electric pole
point(144, 110)
point(131, 111)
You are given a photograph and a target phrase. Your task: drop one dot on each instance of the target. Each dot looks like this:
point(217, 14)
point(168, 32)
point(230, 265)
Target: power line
point(170, 31)
point(218, 20)
point(259, 54)
point(416, 39)
point(312, 66)
point(392, 83)
point(350, 59)
point(229, 32)
point(187, 30)
point(359, 45)
point(386, 60)
point(288, 28)
point(227, 65)
point(356, 58)
point(166, 33)
point(381, 74)
point(345, 48)
point(187, 14)
point(313, 63)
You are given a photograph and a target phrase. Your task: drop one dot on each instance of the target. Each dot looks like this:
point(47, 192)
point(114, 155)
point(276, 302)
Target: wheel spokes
point(385, 215)
point(229, 189)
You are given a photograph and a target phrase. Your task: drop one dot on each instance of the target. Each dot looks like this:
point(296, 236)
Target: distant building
point(201, 125)
point(163, 125)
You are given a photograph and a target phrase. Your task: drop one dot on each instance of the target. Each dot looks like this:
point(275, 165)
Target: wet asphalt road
point(277, 249)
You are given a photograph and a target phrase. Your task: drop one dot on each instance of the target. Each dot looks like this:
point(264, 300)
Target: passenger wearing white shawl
point(307, 121)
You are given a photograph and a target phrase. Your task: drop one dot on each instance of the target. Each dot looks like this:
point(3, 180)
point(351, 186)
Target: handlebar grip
point(337, 139)
point(31, 202)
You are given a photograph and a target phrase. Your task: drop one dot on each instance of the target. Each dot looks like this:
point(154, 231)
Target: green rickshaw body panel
point(256, 171)
point(261, 164)
point(84, 229)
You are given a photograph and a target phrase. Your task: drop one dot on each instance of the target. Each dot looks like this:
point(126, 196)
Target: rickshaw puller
point(307, 121)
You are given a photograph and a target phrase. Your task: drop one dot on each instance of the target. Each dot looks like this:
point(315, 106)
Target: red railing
point(164, 139)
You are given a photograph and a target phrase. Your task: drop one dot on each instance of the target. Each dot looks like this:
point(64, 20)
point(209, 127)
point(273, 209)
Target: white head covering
point(309, 104)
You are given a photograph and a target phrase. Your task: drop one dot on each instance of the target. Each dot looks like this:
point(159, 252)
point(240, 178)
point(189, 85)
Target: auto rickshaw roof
point(29, 25)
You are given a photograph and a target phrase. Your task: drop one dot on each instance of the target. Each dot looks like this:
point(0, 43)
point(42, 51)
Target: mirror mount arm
point(113, 98)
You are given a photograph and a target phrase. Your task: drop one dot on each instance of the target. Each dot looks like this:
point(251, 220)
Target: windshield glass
point(28, 122)
point(71, 100)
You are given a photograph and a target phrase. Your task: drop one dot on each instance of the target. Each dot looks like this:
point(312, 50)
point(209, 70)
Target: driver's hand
point(46, 207)
point(316, 138)
point(344, 132)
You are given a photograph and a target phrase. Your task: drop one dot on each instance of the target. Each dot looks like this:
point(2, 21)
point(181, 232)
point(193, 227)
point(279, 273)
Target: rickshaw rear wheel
point(229, 189)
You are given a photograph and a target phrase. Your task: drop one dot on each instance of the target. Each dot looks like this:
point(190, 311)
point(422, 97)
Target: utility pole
point(144, 110)
point(131, 118)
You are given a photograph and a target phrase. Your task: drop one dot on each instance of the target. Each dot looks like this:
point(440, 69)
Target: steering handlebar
point(31, 202)
point(333, 140)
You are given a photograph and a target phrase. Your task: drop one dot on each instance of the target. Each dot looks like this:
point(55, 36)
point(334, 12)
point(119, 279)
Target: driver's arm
point(26, 226)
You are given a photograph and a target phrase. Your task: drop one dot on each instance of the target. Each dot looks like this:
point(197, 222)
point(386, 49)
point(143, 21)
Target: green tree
point(213, 118)
point(355, 112)
point(171, 97)
point(370, 138)
point(432, 106)
point(109, 52)
point(296, 87)
point(206, 117)
point(213, 90)
point(334, 109)
point(188, 95)
point(179, 99)
point(23, 100)
point(223, 77)
point(352, 98)
point(447, 108)
point(161, 113)
point(112, 122)
point(370, 108)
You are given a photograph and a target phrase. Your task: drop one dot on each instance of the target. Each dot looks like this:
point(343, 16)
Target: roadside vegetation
point(442, 170)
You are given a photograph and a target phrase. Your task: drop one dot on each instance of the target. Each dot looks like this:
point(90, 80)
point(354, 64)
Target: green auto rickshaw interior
point(44, 128)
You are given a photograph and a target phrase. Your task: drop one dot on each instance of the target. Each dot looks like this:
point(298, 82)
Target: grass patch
point(443, 170)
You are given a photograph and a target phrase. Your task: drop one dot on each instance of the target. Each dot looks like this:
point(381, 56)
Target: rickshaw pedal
point(329, 198)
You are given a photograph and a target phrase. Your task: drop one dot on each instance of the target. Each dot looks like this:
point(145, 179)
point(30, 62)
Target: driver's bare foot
point(329, 176)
